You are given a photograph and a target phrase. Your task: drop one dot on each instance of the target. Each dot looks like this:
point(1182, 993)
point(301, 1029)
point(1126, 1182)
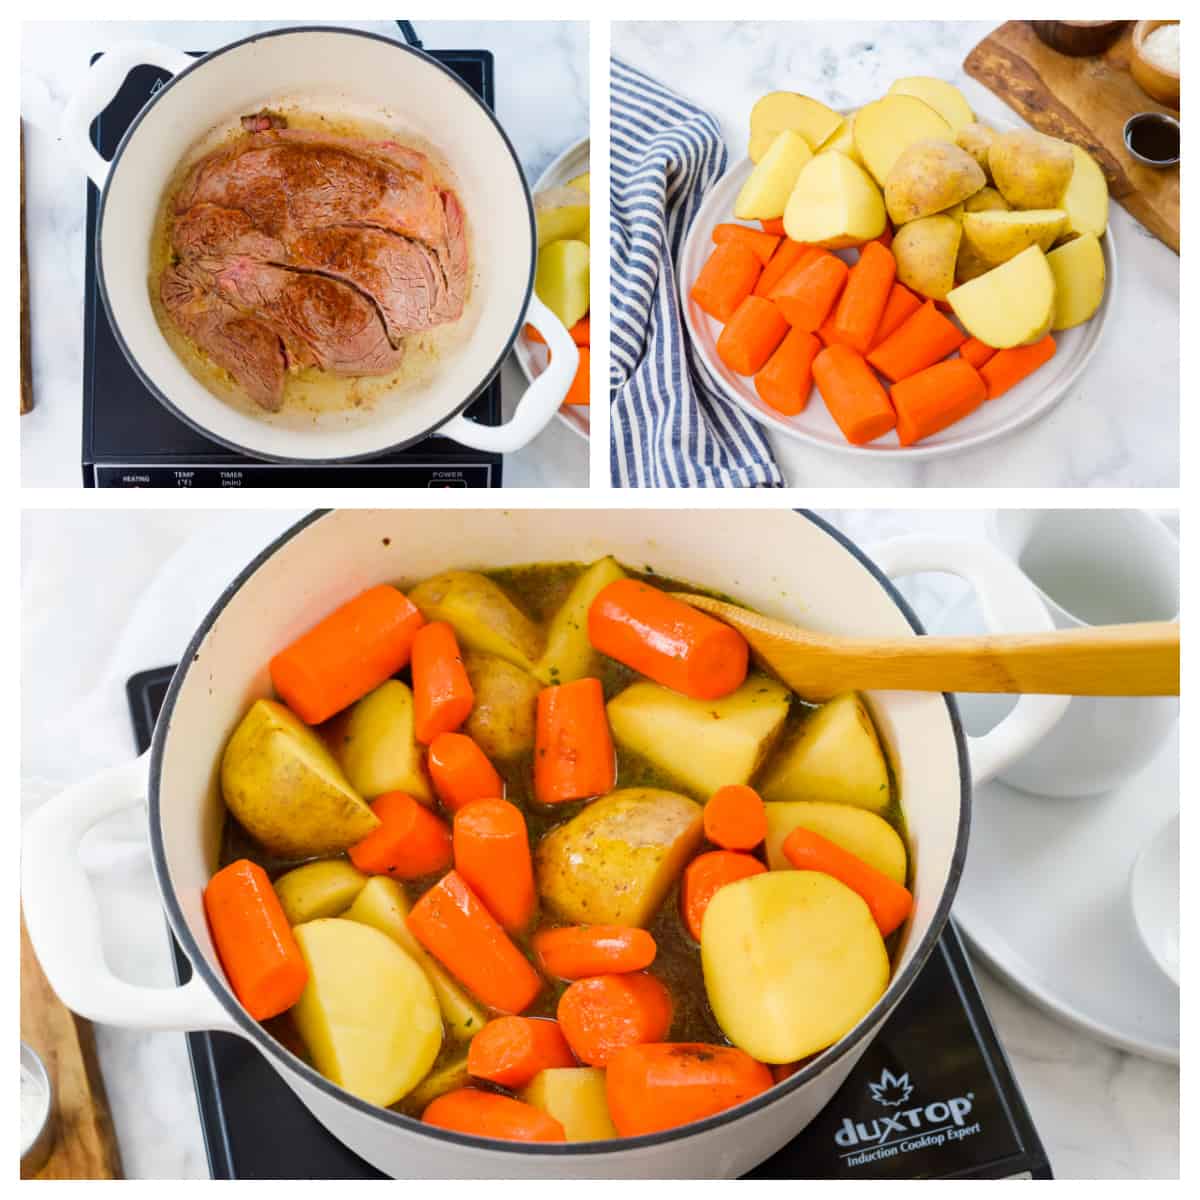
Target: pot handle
point(542, 399)
point(1010, 604)
point(95, 93)
point(64, 923)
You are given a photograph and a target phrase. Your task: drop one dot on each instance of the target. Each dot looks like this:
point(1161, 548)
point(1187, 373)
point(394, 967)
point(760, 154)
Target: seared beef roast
point(297, 249)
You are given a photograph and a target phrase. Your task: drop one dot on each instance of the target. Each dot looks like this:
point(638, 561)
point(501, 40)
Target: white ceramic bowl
point(532, 357)
point(1029, 400)
point(814, 574)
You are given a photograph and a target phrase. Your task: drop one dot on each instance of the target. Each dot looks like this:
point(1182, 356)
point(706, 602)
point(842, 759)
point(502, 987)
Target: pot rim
point(161, 396)
point(284, 1058)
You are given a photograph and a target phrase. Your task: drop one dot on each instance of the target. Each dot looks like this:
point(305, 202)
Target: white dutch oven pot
point(336, 71)
point(785, 564)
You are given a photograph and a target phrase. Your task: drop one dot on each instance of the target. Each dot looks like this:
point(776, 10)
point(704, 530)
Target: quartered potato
point(319, 889)
point(614, 862)
point(858, 831)
point(1078, 269)
point(703, 744)
point(503, 719)
point(885, 128)
point(285, 788)
point(569, 655)
point(576, 1098)
point(842, 141)
point(834, 204)
point(925, 253)
point(929, 177)
point(777, 111)
point(1030, 169)
point(834, 756)
point(377, 747)
point(1011, 305)
point(1086, 197)
point(999, 236)
point(383, 904)
point(449, 1077)
point(793, 960)
point(368, 1015)
point(765, 194)
point(563, 279)
point(561, 212)
point(944, 98)
point(483, 617)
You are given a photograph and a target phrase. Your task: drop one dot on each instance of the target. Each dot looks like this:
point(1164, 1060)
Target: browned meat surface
point(336, 247)
point(291, 178)
point(249, 350)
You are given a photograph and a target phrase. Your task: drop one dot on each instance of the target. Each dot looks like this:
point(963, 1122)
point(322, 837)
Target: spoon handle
point(1100, 660)
point(1104, 660)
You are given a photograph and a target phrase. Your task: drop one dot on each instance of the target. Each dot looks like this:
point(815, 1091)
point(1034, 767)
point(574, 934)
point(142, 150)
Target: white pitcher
point(1094, 567)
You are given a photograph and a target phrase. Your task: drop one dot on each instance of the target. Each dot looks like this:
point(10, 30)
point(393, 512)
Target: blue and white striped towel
point(671, 425)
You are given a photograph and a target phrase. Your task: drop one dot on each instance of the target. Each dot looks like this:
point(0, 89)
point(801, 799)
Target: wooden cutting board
point(1086, 101)
point(85, 1146)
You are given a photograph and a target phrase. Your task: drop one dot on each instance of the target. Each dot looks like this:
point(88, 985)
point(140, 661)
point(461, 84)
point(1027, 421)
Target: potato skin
point(318, 889)
point(1030, 169)
point(976, 139)
point(503, 720)
point(483, 617)
point(285, 788)
point(929, 177)
point(614, 862)
point(926, 251)
point(986, 200)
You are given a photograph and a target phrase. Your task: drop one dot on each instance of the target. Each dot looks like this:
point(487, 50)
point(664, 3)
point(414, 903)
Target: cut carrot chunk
point(442, 693)
point(491, 852)
point(491, 1115)
point(573, 755)
point(889, 902)
point(855, 398)
point(900, 306)
point(751, 336)
point(254, 942)
point(935, 398)
point(667, 640)
point(864, 298)
point(726, 280)
point(705, 876)
point(410, 841)
point(925, 338)
point(348, 654)
point(580, 391)
point(510, 1051)
point(807, 293)
point(577, 951)
point(976, 352)
point(461, 772)
point(762, 245)
point(600, 1015)
point(734, 818)
point(789, 255)
point(786, 381)
point(1008, 367)
point(451, 923)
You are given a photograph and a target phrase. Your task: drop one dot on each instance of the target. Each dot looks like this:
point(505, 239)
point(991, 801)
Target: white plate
point(1154, 895)
point(573, 161)
point(1030, 399)
point(1044, 898)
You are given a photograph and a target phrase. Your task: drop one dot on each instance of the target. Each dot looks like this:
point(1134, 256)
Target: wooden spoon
point(1102, 660)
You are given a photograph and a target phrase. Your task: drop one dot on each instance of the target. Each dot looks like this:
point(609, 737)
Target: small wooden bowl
point(1078, 39)
point(1157, 83)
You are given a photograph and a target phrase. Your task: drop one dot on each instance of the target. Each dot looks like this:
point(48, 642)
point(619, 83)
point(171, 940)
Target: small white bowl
point(1154, 896)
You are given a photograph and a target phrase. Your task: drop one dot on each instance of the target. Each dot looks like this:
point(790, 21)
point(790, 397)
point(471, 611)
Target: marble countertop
point(1119, 427)
point(54, 57)
point(1101, 1113)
